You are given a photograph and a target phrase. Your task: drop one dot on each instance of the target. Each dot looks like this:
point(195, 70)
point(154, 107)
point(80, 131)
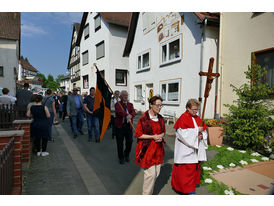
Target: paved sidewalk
point(253, 179)
point(76, 166)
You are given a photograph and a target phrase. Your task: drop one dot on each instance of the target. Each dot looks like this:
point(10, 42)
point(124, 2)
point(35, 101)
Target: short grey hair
point(123, 92)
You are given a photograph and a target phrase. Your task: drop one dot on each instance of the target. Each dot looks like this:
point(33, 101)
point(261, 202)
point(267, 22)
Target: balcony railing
point(6, 168)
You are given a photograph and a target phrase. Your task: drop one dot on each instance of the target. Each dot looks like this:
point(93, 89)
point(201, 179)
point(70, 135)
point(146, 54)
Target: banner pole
point(131, 124)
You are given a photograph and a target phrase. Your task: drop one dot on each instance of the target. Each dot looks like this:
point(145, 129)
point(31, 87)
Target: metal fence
point(6, 168)
point(9, 113)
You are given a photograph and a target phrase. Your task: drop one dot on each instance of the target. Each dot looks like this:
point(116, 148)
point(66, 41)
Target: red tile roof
point(211, 15)
point(27, 65)
point(10, 24)
point(120, 18)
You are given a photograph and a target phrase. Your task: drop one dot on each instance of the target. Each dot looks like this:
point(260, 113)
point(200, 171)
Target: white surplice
point(187, 149)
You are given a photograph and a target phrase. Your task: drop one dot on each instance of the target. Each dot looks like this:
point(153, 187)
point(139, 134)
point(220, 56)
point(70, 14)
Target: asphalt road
point(76, 166)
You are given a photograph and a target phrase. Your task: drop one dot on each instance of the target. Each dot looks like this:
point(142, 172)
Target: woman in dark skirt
point(40, 125)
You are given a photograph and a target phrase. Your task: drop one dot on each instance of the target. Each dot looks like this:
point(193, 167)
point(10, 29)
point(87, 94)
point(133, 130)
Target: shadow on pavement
point(163, 178)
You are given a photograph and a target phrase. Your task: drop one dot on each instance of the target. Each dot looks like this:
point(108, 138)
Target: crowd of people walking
point(190, 143)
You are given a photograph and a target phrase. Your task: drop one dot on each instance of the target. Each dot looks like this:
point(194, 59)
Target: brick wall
point(26, 143)
point(5, 137)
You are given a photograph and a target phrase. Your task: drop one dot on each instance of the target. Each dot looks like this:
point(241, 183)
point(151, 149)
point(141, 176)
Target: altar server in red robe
point(150, 152)
point(190, 149)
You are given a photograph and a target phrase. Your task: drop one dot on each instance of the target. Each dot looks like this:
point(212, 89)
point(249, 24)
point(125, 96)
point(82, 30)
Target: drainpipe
point(201, 62)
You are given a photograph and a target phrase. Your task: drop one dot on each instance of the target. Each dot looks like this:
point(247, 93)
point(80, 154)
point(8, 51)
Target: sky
point(46, 38)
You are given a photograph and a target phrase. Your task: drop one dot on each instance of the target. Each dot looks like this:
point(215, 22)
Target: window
point(170, 91)
point(97, 22)
point(121, 77)
point(171, 51)
point(138, 93)
point(144, 61)
point(85, 82)
point(265, 58)
point(86, 31)
point(100, 50)
point(85, 57)
point(1, 71)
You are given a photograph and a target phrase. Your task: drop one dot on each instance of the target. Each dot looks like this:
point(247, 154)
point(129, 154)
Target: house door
point(149, 94)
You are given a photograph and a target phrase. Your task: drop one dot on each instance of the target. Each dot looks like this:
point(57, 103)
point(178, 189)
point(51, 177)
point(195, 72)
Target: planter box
point(215, 135)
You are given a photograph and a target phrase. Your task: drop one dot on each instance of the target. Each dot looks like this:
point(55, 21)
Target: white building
point(166, 53)
point(74, 60)
point(10, 37)
point(65, 83)
point(28, 74)
point(102, 37)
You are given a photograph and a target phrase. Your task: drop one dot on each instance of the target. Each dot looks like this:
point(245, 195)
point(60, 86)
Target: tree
point(43, 78)
point(59, 77)
point(50, 78)
point(53, 85)
point(249, 123)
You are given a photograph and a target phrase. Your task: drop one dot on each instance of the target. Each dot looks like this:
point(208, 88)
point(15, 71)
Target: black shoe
point(122, 162)
point(74, 136)
point(81, 132)
point(97, 141)
point(127, 159)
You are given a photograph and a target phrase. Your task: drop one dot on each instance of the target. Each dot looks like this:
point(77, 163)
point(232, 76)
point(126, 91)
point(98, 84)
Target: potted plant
point(215, 131)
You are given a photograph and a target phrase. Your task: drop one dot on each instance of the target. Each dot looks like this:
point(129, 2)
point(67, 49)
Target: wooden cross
point(210, 77)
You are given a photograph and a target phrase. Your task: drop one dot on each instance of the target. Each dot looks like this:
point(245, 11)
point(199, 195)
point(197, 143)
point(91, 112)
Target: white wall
point(9, 60)
point(118, 36)
point(114, 38)
point(89, 44)
point(187, 70)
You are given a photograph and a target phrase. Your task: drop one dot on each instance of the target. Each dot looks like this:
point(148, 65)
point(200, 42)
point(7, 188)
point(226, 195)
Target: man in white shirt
point(5, 98)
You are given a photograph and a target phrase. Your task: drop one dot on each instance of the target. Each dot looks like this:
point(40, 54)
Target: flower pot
point(215, 135)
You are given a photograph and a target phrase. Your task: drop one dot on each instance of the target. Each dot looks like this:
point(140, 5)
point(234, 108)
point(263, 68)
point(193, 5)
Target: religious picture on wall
point(161, 36)
point(168, 26)
point(159, 28)
point(175, 28)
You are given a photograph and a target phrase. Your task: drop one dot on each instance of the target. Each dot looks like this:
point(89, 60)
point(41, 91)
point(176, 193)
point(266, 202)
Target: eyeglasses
point(158, 105)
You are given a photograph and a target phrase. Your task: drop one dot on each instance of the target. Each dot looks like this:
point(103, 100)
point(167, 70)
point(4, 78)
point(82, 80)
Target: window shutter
point(100, 50)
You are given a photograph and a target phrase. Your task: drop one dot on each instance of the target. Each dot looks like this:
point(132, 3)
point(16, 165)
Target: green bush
point(249, 120)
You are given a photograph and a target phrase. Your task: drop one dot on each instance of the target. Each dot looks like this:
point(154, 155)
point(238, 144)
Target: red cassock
point(155, 153)
point(185, 177)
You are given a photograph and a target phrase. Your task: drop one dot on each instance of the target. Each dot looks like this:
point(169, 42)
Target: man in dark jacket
point(75, 110)
point(23, 99)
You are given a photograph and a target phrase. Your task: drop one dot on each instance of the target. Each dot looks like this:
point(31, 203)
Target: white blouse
point(187, 148)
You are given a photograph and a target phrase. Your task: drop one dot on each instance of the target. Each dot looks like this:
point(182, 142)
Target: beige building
point(242, 34)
